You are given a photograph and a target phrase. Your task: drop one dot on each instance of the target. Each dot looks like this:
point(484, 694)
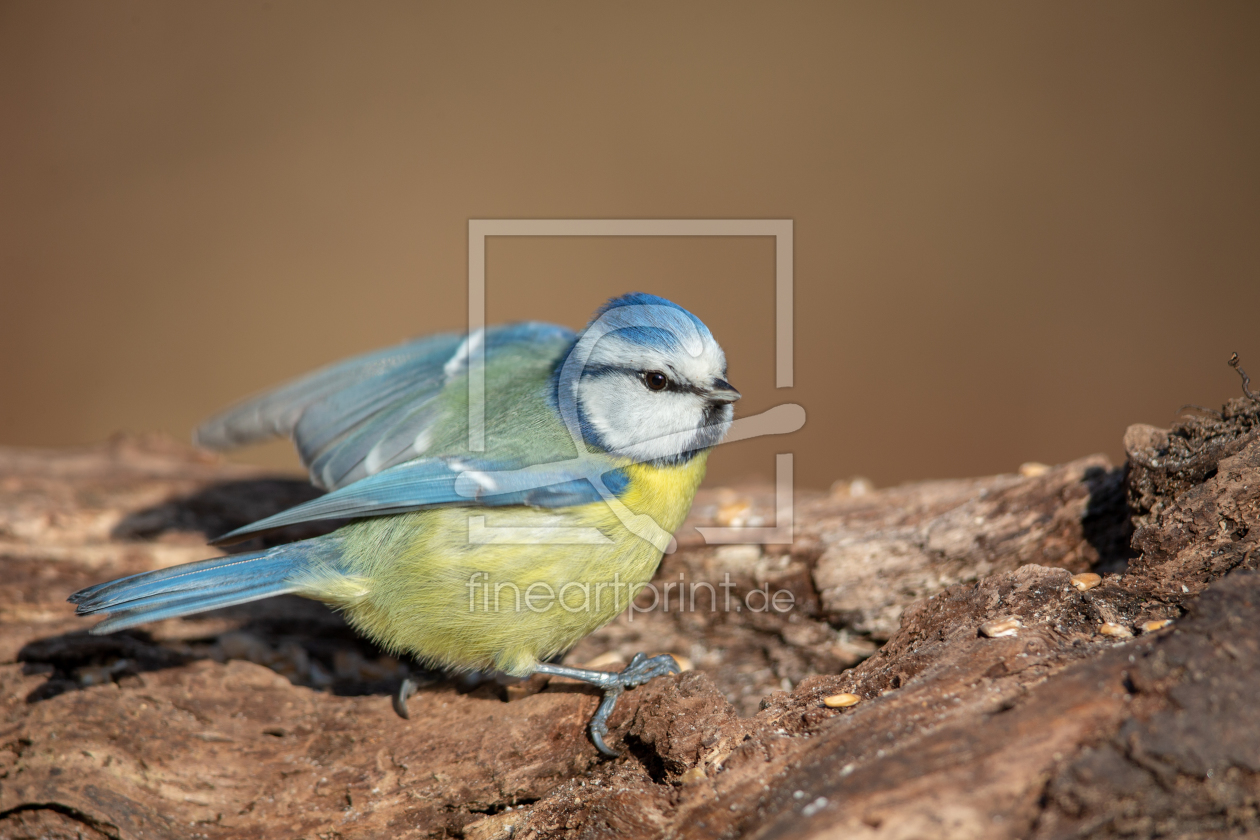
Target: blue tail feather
point(201, 586)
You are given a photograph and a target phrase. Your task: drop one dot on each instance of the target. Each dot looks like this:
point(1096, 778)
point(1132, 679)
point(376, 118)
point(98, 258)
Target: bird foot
point(640, 670)
point(408, 688)
point(410, 685)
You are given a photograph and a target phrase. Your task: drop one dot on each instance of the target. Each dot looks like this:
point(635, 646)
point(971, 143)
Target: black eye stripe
point(670, 384)
point(672, 381)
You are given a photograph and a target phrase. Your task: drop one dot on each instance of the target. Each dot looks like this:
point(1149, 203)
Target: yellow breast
point(664, 493)
point(503, 588)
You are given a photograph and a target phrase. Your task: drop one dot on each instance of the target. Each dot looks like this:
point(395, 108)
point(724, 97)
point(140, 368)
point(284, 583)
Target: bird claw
point(408, 688)
point(640, 671)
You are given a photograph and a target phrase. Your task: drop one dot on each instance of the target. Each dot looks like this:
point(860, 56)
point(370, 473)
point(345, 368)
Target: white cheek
point(639, 423)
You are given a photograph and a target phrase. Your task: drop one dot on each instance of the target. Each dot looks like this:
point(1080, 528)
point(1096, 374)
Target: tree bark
point(994, 694)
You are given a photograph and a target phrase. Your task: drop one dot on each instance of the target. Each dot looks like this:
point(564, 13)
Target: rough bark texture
point(273, 719)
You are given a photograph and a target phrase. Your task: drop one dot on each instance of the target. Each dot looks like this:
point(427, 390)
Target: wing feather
point(442, 481)
point(356, 418)
point(386, 432)
point(276, 413)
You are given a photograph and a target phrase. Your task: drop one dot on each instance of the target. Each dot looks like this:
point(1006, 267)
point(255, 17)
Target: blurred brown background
point(1019, 226)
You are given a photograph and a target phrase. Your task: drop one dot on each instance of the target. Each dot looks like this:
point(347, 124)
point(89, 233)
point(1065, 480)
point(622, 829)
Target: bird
point(509, 490)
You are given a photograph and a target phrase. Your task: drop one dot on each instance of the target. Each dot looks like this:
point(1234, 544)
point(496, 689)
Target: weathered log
point(994, 694)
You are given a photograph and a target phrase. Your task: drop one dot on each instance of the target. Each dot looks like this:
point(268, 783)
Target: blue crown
point(650, 321)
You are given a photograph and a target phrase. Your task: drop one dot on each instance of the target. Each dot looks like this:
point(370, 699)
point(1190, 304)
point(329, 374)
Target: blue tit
point(510, 490)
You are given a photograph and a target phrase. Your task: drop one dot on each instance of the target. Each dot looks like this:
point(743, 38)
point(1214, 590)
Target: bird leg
point(465, 682)
point(410, 685)
point(639, 671)
point(408, 688)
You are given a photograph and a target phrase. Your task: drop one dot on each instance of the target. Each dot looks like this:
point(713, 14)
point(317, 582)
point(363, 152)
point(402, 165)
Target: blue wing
point(277, 412)
point(443, 481)
point(360, 417)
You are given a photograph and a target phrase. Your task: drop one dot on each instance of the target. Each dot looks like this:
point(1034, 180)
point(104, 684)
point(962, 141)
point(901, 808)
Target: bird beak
point(722, 391)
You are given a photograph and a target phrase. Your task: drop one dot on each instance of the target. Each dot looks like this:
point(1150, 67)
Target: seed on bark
point(692, 776)
point(1000, 627)
point(1086, 580)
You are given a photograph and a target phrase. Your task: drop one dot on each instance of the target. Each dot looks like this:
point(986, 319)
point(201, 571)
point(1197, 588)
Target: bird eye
point(655, 380)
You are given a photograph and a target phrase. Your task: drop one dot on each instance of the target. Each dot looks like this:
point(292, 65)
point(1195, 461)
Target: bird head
point(646, 380)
